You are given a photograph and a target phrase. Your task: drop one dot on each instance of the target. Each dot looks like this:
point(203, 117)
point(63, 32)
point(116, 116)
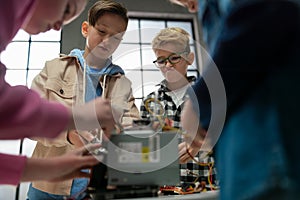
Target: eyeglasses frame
point(167, 59)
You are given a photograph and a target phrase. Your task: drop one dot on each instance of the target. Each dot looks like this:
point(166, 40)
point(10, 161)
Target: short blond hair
point(172, 35)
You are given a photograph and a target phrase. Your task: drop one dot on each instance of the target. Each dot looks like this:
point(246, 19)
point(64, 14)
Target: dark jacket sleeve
point(256, 38)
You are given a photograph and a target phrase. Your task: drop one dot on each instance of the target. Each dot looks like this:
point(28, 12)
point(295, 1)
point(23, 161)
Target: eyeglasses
point(173, 59)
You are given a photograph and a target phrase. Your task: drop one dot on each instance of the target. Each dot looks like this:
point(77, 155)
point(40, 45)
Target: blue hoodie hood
point(93, 88)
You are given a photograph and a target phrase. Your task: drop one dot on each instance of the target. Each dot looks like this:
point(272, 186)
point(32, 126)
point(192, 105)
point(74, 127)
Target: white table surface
point(209, 195)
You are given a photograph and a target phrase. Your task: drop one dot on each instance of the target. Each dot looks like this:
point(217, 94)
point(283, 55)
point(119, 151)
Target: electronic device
point(138, 161)
point(143, 158)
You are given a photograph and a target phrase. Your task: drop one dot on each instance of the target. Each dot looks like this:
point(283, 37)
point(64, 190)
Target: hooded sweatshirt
point(93, 88)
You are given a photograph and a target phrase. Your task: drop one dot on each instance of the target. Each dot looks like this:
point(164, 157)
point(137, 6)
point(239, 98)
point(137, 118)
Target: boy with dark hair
point(80, 77)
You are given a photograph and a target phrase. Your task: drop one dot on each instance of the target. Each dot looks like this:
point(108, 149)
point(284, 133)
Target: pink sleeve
point(24, 114)
point(11, 168)
point(13, 15)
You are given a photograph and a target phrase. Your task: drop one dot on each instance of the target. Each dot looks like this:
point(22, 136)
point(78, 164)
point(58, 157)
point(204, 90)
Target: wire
point(210, 165)
point(159, 115)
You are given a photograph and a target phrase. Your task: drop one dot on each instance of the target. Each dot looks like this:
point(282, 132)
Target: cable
point(210, 165)
point(159, 115)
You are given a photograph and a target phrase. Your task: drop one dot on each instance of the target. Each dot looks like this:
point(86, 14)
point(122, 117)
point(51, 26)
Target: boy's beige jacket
point(61, 80)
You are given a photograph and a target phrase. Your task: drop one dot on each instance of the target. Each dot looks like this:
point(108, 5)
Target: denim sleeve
point(256, 38)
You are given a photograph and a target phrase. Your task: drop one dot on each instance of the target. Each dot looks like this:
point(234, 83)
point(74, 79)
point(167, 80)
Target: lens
point(174, 59)
point(161, 61)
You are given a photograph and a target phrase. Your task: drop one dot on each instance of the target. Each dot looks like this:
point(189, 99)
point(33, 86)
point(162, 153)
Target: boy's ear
point(190, 58)
point(84, 28)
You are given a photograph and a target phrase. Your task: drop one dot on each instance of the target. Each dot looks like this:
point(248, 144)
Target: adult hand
point(92, 115)
point(187, 152)
point(79, 138)
point(67, 166)
point(191, 5)
point(190, 123)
